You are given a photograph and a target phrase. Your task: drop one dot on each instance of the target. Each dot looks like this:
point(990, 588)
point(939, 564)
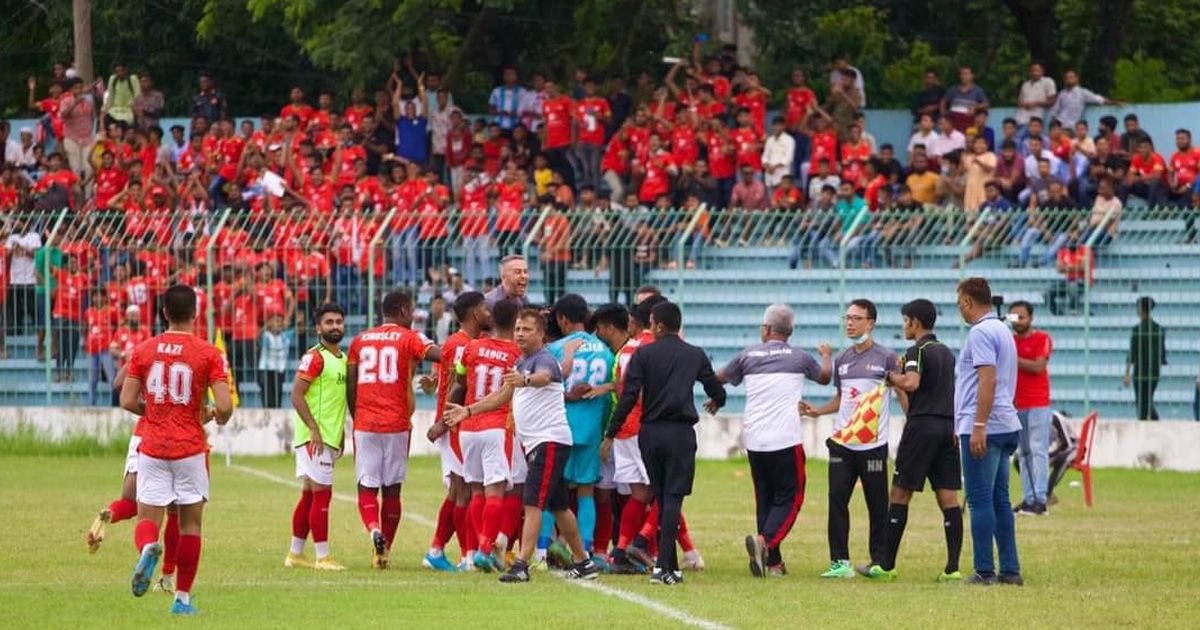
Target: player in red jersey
point(485, 440)
point(474, 319)
point(379, 397)
point(174, 370)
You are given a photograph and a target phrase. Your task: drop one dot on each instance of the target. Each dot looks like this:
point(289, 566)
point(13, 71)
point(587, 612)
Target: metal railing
point(263, 273)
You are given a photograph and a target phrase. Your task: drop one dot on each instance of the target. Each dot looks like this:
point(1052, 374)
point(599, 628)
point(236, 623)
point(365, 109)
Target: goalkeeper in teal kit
point(588, 366)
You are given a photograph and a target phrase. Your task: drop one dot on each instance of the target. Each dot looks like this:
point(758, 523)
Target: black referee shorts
point(927, 451)
point(669, 452)
point(544, 485)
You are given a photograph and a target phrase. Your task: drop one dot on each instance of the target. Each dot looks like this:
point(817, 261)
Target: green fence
point(261, 274)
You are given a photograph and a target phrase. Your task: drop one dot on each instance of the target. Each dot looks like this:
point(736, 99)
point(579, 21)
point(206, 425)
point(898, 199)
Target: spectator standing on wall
point(963, 100)
point(1037, 93)
point(929, 100)
point(1070, 103)
point(1147, 355)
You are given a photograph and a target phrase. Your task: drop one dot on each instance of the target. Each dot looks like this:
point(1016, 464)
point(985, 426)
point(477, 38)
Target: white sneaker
point(692, 561)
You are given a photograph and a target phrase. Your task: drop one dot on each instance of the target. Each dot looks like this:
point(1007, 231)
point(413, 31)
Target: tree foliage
point(257, 48)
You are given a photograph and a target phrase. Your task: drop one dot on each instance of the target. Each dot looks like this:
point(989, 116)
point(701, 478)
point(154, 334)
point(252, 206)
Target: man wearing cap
point(1147, 355)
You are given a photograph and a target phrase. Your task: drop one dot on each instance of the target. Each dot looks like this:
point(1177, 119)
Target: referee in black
point(928, 446)
point(663, 374)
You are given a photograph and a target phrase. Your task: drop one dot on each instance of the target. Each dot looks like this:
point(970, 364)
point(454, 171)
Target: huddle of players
point(518, 428)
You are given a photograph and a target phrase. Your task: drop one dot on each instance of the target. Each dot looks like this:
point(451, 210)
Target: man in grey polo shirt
point(858, 446)
point(774, 373)
point(988, 428)
point(514, 282)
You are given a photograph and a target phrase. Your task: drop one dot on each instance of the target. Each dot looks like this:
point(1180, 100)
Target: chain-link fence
point(81, 290)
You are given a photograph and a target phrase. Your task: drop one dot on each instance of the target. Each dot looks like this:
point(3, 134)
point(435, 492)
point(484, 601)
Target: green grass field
point(1133, 560)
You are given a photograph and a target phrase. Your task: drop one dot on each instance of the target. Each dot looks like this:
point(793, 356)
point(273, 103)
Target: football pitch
point(1133, 560)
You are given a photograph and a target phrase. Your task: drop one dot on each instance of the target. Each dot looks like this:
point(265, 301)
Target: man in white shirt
point(530, 109)
point(924, 134)
point(1037, 93)
point(22, 244)
point(778, 153)
point(950, 139)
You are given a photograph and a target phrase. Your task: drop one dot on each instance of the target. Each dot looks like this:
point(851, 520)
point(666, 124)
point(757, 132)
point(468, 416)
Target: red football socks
point(368, 508)
point(122, 510)
point(513, 510)
point(684, 538)
point(189, 560)
point(475, 514)
point(300, 515)
point(144, 533)
point(493, 516)
point(632, 518)
point(170, 543)
point(392, 509)
point(602, 537)
point(649, 529)
point(467, 542)
point(318, 515)
point(445, 524)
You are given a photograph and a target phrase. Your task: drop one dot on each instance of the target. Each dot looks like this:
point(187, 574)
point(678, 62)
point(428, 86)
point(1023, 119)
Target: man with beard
point(319, 397)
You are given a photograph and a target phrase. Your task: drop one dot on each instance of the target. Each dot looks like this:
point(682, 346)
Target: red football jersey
point(383, 357)
point(633, 422)
point(557, 113)
point(590, 114)
point(484, 362)
point(452, 352)
point(175, 370)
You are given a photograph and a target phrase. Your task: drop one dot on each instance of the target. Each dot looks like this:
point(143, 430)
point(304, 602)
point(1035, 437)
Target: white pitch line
point(633, 598)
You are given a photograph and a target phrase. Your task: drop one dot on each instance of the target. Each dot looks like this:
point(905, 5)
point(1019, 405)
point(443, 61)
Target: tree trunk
point(474, 34)
point(1107, 41)
point(82, 18)
point(1036, 21)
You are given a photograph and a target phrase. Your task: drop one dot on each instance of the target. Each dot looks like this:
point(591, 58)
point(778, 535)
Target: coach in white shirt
point(778, 153)
point(1037, 93)
point(774, 373)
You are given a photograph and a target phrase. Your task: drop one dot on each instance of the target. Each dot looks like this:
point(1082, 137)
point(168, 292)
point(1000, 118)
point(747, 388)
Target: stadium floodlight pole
point(1087, 307)
point(858, 220)
point(46, 295)
point(680, 257)
point(209, 249)
point(387, 221)
point(963, 248)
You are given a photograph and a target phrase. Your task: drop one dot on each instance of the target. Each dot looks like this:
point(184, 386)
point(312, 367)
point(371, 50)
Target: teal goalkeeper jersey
point(592, 364)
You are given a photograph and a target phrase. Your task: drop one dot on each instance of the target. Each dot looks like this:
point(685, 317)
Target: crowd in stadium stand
point(310, 186)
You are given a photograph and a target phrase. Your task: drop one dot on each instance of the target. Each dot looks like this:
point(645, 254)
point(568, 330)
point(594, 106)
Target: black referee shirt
point(934, 398)
point(663, 373)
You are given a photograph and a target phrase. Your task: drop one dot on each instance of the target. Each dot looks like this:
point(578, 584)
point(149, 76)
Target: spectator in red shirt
point(100, 318)
point(434, 232)
point(557, 113)
point(242, 311)
point(754, 99)
point(800, 101)
point(592, 114)
point(1148, 174)
point(1184, 164)
point(1032, 401)
point(458, 147)
point(1077, 264)
point(68, 315)
point(298, 108)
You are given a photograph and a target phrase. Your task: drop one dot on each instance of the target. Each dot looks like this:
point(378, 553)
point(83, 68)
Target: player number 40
point(173, 381)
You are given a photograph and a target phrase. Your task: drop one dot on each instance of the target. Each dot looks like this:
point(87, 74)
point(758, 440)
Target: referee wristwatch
point(526, 380)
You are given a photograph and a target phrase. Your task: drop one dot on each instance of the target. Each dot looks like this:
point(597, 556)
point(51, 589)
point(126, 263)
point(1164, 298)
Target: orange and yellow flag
point(219, 342)
point(863, 427)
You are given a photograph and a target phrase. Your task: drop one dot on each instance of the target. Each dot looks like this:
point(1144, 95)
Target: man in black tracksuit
point(663, 374)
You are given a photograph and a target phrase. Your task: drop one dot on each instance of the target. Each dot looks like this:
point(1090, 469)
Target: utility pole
point(82, 13)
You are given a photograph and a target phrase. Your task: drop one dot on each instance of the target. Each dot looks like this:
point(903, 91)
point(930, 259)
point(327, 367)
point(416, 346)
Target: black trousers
point(669, 451)
point(779, 481)
point(847, 467)
point(1143, 394)
point(243, 359)
point(271, 383)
